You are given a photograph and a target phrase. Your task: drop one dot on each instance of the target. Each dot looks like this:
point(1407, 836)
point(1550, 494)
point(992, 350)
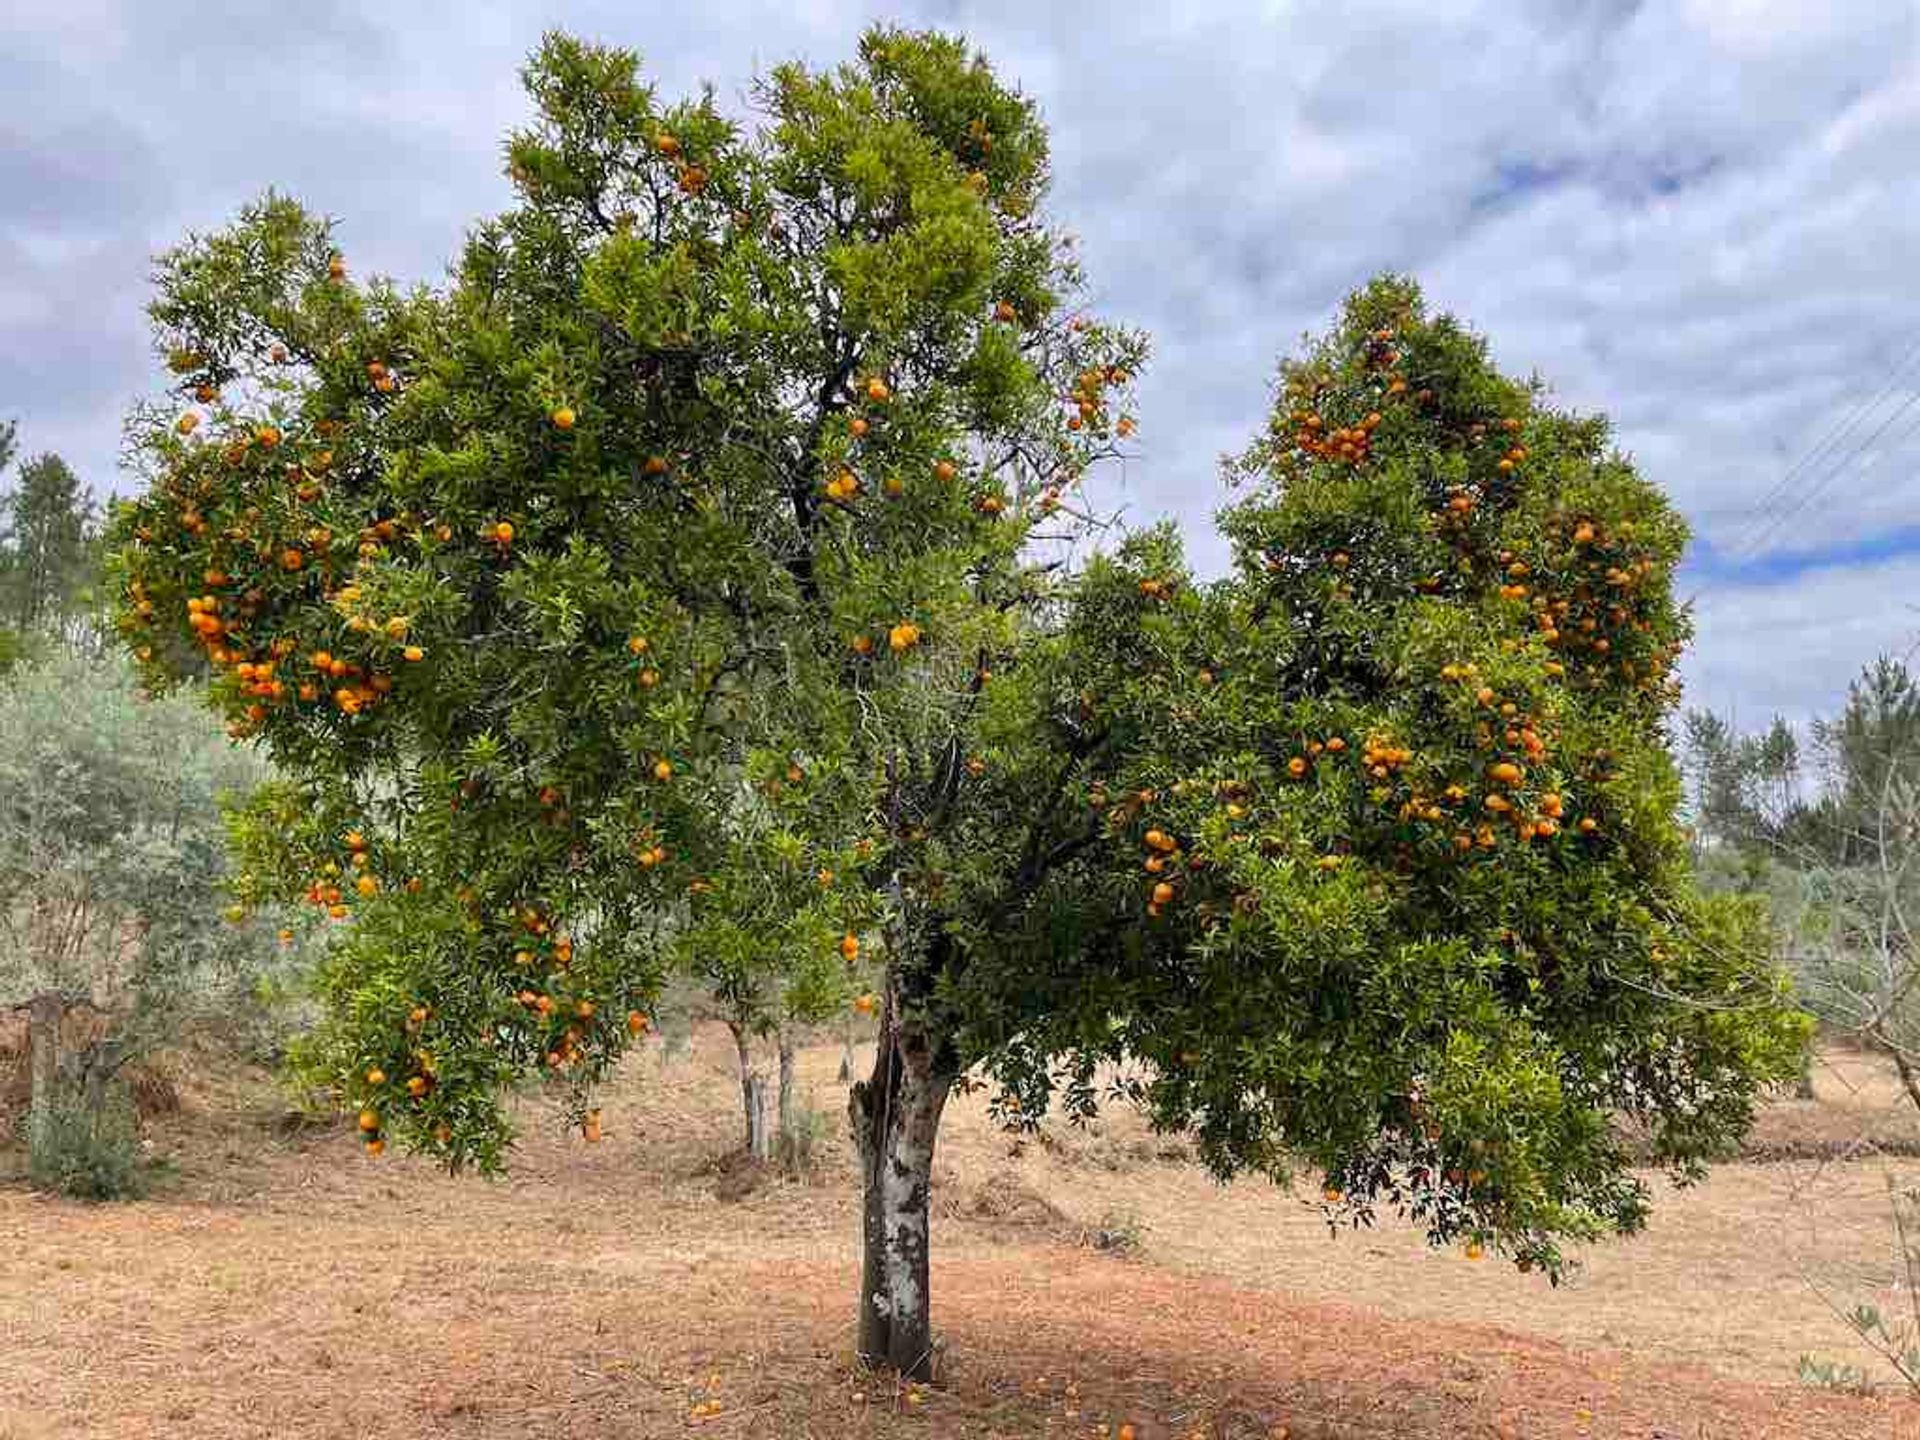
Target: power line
point(1782, 517)
point(1813, 492)
point(1827, 441)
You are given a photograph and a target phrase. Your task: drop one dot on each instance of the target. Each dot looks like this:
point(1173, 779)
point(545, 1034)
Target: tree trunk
point(896, 1116)
point(44, 1014)
point(753, 1094)
point(758, 1145)
point(1908, 1080)
point(846, 1049)
point(788, 1119)
point(1803, 1087)
point(100, 1062)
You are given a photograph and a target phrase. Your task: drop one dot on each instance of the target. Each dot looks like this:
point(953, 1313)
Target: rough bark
point(758, 1144)
point(1908, 1079)
point(99, 1063)
point(788, 1119)
point(896, 1117)
point(44, 1014)
point(753, 1095)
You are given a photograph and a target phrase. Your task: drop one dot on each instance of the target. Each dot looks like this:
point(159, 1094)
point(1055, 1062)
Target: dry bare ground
point(291, 1287)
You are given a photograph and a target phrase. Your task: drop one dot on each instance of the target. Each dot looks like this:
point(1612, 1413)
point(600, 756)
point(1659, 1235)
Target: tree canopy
point(707, 532)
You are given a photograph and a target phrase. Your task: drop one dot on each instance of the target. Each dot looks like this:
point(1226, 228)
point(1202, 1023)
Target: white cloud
point(1693, 215)
point(1791, 649)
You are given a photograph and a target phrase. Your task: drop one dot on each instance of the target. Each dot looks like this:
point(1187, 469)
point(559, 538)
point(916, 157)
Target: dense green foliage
point(717, 457)
point(1395, 805)
point(674, 578)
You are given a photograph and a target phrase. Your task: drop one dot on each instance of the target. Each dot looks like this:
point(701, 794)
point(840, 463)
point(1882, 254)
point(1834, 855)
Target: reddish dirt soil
point(294, 1288)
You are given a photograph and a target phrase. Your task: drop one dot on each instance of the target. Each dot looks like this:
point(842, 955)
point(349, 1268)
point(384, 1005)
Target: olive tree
point(114, 865)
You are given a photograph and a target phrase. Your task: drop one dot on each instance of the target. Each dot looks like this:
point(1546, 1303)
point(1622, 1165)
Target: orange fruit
point(563, 418)
point(369, 1121)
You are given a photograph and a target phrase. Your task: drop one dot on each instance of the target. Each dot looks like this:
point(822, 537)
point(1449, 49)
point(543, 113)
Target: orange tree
point(716, 458)
point(720, 460)
point(1391, 880)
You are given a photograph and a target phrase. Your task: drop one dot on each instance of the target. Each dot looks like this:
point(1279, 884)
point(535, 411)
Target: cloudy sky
point(1699, 216)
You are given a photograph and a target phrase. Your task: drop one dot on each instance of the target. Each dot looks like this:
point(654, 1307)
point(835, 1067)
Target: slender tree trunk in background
point(846, 1048)
point(1803, 1087)
point(44, 1014)
point(896, 1117)
point(753, 1094)
point(759, 1145)
point(787, 1117)
point(102, 1061)
point(1908, 1079)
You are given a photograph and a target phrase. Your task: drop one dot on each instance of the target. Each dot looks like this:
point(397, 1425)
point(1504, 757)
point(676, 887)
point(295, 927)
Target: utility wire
point(1770, 513)
point(1828, 441)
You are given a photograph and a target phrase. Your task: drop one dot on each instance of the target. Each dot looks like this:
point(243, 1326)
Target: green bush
point(89, 1153)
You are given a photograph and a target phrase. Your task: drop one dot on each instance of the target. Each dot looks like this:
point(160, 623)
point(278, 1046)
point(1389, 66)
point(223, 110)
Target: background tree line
point(1827, 830)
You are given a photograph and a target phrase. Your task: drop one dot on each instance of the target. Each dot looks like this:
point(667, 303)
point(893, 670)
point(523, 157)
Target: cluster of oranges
point(844, 486)
point(553, 953)
point(417, 1087)
point(326, 892)
point(640, 648)
point(1382, 758)
point(1604, 606)
point(691, 178)
point(1163, 852)
point(1089, 398)
point(361, 691)
point(1351, 445)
